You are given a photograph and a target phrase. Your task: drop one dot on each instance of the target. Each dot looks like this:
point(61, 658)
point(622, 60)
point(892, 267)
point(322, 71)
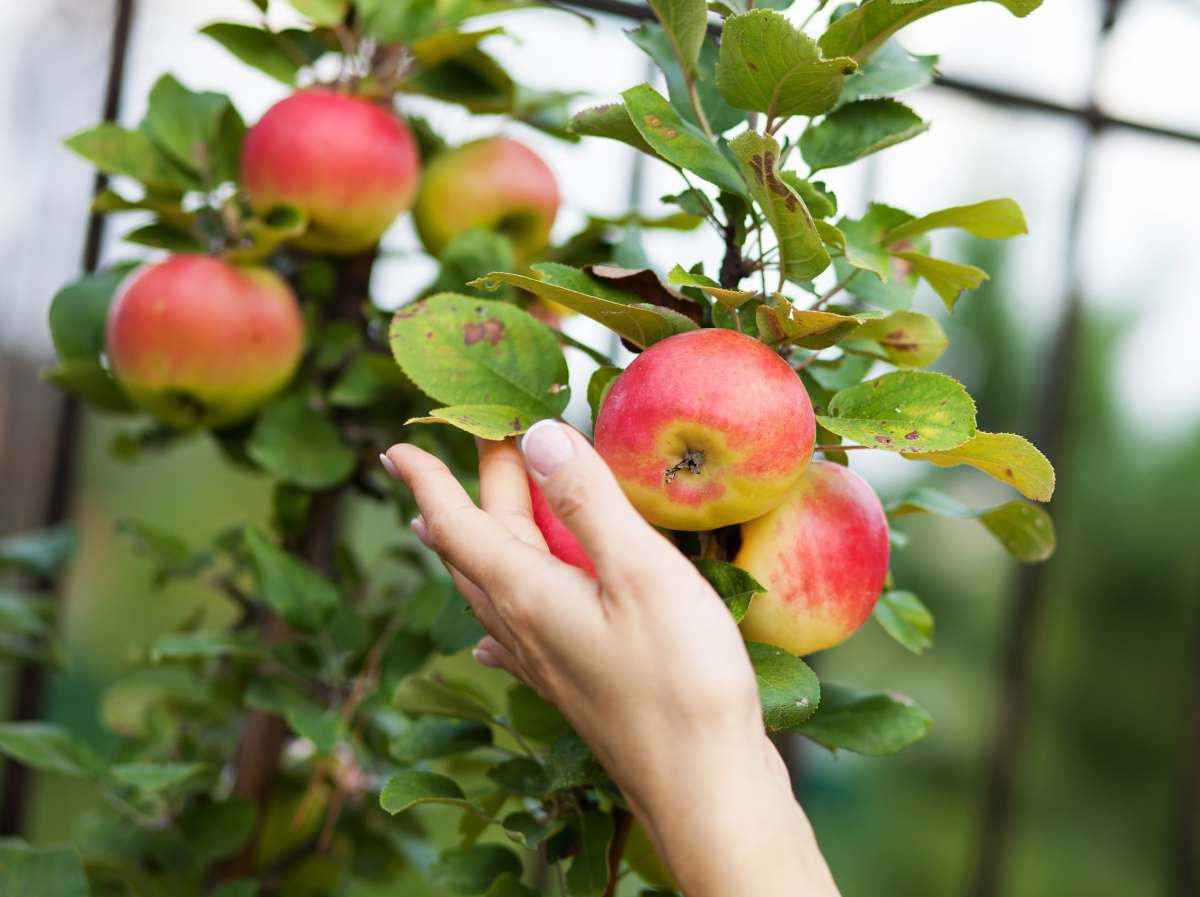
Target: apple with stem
point(706, 429)
point(822, 556)
point(494, 184)
point(200, 342)
point(348, 163)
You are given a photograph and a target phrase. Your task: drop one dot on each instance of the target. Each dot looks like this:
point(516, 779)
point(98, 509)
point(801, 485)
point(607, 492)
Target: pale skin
point(644, 661)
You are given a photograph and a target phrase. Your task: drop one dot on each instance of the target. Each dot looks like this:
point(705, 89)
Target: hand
point(644, 661)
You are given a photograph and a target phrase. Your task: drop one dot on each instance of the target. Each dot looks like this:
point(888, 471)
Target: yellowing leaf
point(729, 298)
point(1009, 458)
point(484, 421)
point(908, 338)
point(948, 279)
point(992, 219)
point(903, 411)
point(811, 329)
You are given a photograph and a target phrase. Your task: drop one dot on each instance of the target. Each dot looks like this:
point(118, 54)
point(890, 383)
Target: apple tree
point(331, 740)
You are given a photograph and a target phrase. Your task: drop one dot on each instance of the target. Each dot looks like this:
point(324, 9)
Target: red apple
point(560, 540)
point(822, 556)
point(348, 163)
point(706, 429)
point(199, 342)
point(494, 184)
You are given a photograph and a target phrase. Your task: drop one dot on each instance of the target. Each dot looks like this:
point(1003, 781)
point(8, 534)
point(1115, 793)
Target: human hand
point(644, 660)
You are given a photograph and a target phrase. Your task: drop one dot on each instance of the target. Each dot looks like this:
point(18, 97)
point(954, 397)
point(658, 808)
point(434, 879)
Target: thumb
point(583, 493)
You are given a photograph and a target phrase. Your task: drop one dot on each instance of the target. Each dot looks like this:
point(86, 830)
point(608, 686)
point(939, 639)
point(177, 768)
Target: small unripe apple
point(706, 429)
point(494, 184)
point(822, 556)
point(351, 165)
point(560, 540)
point(199, 342)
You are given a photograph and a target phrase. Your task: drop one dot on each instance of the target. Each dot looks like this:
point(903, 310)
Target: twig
point(836, 288)
point(622, 824)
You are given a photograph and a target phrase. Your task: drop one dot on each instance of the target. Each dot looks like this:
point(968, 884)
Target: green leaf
point(280, 55)
point(170, 555)
point(734, 585)
point(27, 871)
point(784, 323)
point(865, 247)
point(91, 382)
point(729, 298)
point(655, 43)
point(473, 870)
point(588, 874)
point(907, 339)
point(431, 737)
point(948, 279)
point(413, 787)
point(1025, 530)
point(820, 200)
point(686, 24)
point(25, 614)
point(202, 644)
point(678, 141)
point(520, 775)
point(405, 21)
point(859, 129)
point(189, 126)
point(289, 586)
point(79, 312)
point(369, 379)
point(906, 620)
point(298, 445)
point(508, 885)
point(891, 70)
point(154, 778)
point(534, 717)
point(49, 747)
point(43, 552)
point(455, 627)
point(802, 254)
point(472, 254)
point(164, 236)
point(119, 151)
point(436, 48)
point(871, 723)
point(242, 887)
point(599, 384)
point(484, 421)
point(610, 120)
point(641, 324)
point(903, 411)
point(787, 688)
point(218, 830)
point(992, 219)
point(571, 764)
point(473, 80)
point(422, 694)
point(770, 66)
point(1009, 458)
point(322, 12)
point(479, 352)
point(863, 30)
point(323, 726)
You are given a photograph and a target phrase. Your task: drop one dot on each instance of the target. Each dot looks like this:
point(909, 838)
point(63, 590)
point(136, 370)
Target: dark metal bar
point(1029, 594)
point(1090, 114)
point(30, 683)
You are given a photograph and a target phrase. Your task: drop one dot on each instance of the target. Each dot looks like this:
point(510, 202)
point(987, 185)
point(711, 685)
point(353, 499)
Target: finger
point(466, 537)
point(585, 496)
point(504, 490)
point(491, 653)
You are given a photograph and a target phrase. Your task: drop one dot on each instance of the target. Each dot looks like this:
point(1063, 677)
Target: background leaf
point(49, 747)
point(472, 870)
point(588, 873)
point(412, 787)
point(871, 723)
point(299, 445)
point(1025, 530)
point(289, 586)
point(686, 23)
point(890, 70)
point(992, 219)
point(27, 871)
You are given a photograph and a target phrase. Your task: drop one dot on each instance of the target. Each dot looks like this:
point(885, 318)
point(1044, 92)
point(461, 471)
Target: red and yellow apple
point(199, 342)
point(493, 184)
point(349, 164)
point(822, 556)
point(560, 540)
point(706, 429)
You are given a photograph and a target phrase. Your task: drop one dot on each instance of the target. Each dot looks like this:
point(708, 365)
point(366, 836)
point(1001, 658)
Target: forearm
point(729, 826)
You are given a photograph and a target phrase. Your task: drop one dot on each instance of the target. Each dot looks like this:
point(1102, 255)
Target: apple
point(494, 184)
point(200, 342)
point(822, 556)
point(349, 164)
point(560, 540)
point(705, 429)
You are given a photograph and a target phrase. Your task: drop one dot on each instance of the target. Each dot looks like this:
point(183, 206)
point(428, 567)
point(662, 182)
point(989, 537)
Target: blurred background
point(1065, 754)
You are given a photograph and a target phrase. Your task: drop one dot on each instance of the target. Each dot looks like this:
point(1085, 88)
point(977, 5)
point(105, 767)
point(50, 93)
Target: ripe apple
point(199, 342)
point(560, 540)
point(706, 429)
point(822, 556)
point(495, 184)
point(348, 163)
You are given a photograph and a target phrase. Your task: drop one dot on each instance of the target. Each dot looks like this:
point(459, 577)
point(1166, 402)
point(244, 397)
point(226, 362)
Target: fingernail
point(421, 531)
point(485, 658)
point(388, 465)
point(547, 447)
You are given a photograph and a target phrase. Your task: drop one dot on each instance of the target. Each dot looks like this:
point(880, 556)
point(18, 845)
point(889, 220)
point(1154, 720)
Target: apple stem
point(692, 460)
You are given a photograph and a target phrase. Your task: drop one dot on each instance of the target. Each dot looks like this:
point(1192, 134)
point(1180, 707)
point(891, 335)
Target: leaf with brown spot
point(1026, 531)
point(484, 421)
point(644, 283)
point(784, 323)
point(1009, 458)
point(907, 339)
point(887, 411)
